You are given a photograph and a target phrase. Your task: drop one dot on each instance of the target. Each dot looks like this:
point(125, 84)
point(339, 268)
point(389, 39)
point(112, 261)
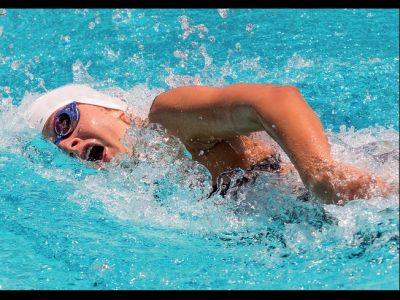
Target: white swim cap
point(42, 108)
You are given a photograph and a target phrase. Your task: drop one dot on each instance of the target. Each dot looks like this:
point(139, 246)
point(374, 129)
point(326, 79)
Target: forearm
point(298, 130)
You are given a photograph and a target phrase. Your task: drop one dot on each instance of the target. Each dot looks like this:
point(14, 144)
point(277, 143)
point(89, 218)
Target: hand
point(341, 182)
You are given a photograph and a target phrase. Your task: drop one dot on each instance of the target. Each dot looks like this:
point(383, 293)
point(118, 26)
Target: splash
point(161, 186)
point(374, 149)
point(174, 80)
point(80, 72)
point(297, 62)
point(201, 29)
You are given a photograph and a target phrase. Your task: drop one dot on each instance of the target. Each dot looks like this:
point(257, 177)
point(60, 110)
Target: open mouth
point(95, 153)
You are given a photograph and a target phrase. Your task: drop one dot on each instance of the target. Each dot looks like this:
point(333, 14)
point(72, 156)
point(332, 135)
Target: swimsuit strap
point(232, 179)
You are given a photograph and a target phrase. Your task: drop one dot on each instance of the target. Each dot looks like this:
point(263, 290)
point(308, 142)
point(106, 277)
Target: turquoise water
point(147, 224)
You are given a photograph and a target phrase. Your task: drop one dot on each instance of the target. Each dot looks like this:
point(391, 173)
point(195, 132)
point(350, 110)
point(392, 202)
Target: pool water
point(146, 223)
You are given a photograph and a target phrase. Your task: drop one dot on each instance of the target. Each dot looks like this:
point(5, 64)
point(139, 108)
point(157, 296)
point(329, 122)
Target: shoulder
point(179, 94)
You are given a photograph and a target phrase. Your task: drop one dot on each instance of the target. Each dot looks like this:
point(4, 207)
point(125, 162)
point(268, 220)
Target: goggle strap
point(58, 139)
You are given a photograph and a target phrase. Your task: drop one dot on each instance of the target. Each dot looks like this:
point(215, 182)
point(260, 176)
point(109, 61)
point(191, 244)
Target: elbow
point(290, 96)
point(278, 95)
point(288, 92)
point(281, 91)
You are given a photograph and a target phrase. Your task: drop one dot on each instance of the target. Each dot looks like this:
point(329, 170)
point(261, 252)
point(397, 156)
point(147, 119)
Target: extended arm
point(205, 115)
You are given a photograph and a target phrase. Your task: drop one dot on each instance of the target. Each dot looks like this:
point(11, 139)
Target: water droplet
point(91, 25)
point(249, 27)
point(15, 65)
point(223, 12)
point(237, 46)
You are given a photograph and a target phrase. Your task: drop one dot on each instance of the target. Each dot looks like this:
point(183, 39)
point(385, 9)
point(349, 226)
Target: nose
point(72, 145)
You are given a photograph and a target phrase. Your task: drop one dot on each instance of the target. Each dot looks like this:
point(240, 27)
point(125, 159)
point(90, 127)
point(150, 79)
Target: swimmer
point(214, 124)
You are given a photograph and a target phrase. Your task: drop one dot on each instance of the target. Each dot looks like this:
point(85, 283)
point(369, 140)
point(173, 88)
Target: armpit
point(196, 144)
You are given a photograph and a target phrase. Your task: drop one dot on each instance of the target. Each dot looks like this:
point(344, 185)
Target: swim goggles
point(65, 121)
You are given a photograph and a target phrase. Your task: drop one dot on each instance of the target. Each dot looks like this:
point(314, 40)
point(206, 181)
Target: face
point(96, 137)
